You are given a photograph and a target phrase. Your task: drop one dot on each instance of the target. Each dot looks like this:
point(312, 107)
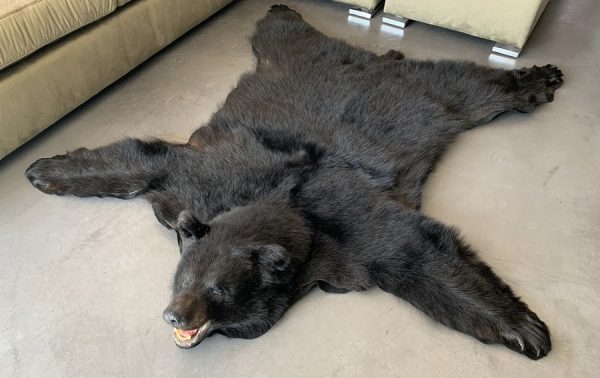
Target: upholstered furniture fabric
point(40, 89)
point(366, 4)
point(505, 21)
point(27, 25)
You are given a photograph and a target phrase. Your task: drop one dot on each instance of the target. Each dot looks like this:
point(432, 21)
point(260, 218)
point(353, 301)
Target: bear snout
point(185, 311)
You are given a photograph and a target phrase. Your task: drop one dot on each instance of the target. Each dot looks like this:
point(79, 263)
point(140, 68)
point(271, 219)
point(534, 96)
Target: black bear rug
point(311, 174)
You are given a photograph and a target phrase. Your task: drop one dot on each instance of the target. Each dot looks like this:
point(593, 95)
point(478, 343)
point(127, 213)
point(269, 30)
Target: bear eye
point(216, 292)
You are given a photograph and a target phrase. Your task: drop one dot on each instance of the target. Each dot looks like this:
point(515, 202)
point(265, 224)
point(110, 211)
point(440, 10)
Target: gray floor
point(83, 282)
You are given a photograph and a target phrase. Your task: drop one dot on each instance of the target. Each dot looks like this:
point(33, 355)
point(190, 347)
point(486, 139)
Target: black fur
point(311, 173)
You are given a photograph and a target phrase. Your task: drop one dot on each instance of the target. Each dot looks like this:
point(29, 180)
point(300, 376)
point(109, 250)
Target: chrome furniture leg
point(397, 21)
point(364, 12)
point(506, 50)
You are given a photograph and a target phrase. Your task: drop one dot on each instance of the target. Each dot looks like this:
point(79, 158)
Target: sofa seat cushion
point(364, 4)
point(505, 21)
point(27, 25)
point(41, 89)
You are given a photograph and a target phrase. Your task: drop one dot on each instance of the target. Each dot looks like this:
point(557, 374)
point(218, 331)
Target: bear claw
point(530, 337)
point(537, 84)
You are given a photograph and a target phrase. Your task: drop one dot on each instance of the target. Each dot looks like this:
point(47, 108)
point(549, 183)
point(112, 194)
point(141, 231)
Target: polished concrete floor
point(83, 282)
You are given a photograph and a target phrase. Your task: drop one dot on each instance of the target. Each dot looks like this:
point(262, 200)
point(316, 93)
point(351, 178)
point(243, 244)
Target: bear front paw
point(45, 175)
point(529, 336)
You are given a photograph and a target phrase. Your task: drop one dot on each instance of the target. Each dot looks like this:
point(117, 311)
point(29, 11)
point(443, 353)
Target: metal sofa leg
point(364, 12)
point(397, 21)
point(506, 50)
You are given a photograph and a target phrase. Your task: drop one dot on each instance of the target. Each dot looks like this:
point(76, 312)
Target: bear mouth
point(189, 338)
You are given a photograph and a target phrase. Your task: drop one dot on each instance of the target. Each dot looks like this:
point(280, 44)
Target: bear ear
point(271, 256)
point(190, 226)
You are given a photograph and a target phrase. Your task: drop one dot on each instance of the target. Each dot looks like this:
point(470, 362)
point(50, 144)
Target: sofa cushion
point(44, 87)
point(505, 21)
point(365, 4)
point(27, 25)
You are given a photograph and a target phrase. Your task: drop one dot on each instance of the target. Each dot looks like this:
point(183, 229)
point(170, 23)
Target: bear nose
point(173, 318)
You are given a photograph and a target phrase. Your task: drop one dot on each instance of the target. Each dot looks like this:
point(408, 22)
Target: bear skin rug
point(311, 174)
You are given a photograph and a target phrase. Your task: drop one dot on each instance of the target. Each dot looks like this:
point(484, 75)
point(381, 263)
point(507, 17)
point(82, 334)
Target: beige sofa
point(363, 8)
point(507, 22)
point(56, 54)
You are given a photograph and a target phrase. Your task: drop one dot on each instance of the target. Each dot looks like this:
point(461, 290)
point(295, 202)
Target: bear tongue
point(187, 332)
